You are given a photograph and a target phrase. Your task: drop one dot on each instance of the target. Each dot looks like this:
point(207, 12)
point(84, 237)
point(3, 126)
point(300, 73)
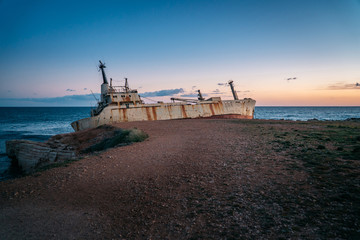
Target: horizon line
point(255, 106)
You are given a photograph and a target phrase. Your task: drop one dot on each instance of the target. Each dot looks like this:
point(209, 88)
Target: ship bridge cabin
point(122, 96)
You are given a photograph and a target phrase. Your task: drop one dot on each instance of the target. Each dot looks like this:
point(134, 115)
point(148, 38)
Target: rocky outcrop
point(30, 155)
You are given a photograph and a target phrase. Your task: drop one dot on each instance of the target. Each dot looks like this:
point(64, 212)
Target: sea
point(40, 123)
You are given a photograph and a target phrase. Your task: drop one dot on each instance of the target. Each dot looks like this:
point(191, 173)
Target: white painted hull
point(114, 113)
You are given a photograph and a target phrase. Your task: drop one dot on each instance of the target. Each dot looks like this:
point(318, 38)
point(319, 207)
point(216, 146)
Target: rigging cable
point(148, 99)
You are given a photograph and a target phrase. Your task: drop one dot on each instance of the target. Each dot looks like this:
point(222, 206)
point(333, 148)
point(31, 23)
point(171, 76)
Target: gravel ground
point(198, 179)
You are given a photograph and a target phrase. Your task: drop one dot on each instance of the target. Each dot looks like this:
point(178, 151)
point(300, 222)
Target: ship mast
point(102, 66)
point(200, 97)
point(126, 85)
point(231, 83)
point(105, 85)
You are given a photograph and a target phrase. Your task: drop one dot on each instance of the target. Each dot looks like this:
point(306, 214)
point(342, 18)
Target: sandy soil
point(191, 179)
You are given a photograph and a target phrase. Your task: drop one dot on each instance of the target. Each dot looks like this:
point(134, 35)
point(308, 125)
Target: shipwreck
point(122, 104)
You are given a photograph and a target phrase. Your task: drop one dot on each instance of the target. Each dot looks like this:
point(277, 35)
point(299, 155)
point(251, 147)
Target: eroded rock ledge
point(30, 155)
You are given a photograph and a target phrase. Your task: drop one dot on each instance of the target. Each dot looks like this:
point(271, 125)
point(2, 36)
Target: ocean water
point(40, 123)
point(307, 113)
point(36, 124)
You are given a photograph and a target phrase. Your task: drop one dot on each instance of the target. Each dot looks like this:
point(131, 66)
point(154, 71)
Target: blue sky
point(49, 50)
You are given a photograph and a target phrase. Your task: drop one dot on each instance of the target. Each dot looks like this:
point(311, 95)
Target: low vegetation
point(121, 137)
point(329, 152)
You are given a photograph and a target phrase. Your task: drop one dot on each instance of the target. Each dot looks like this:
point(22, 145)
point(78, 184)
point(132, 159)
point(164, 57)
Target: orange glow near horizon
point(308, 98)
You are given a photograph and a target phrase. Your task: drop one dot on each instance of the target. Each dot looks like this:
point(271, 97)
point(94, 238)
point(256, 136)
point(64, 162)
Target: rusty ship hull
point(241, 109)
point(125, 105)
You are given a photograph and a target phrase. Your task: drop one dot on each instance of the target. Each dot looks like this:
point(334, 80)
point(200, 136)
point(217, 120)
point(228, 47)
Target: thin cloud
point(70, 100)
point(221, 84)
point(343, 86)
point(162, 93)
point(191, 95)
point(70, 90)
point(217, 91)
point(85, 89)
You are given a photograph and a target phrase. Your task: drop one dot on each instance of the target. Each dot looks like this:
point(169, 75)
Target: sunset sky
point(49, 50)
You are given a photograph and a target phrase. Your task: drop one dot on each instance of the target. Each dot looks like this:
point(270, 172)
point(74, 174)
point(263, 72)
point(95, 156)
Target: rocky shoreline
point(199, 179)
point(30, 156)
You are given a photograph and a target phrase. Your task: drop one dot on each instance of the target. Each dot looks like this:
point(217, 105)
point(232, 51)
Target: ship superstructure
point(122, 104)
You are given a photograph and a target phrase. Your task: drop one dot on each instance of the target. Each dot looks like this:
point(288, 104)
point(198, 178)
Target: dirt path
point(191, 179)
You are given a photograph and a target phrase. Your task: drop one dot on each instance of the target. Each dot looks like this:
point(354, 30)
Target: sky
point(278, 52)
